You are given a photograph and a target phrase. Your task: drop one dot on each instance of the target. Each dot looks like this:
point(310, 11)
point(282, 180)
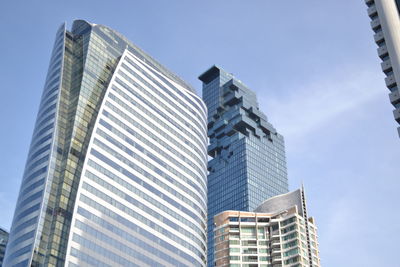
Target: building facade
point(385, 22)
point(278, 234)
point(248, 156)
point(116, 172)
point(3, 244)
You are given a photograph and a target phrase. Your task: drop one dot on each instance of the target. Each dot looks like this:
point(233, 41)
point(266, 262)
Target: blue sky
point(312, 63)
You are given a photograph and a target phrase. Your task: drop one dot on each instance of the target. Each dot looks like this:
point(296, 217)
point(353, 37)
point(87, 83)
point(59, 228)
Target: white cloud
point(348, 232)
point(310, 106)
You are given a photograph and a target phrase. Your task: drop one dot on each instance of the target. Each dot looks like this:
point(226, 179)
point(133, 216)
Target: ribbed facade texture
point(385, 22)
point(116, 171)
point(3, 244)
point(278, 234)
point(248, 156)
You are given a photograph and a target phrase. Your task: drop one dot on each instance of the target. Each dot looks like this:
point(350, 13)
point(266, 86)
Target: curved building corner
point(116, 172)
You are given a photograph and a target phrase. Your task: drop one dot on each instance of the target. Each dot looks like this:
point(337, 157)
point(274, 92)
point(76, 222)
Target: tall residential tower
point(278, 234)
point(248, 156)
point(116, 171)
point(385, 22)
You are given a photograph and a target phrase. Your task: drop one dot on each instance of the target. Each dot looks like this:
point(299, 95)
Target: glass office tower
point(116, 171)
point(385, 22)
point(248, 156)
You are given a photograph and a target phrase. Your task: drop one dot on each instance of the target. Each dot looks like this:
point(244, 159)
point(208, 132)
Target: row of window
point(173, 103)
point(171, 178)
point(135, 228)
point(143, 183)
point(158, 138)
point(147, 210)
point(141, 131)
point(171, 86)
point(38, 143)
point(146, 162)
point(194, 194)
point(18, 253)
point(128, 250)
point(21, 239)
point(160, 151)
point(169, 119)
point(79, 254)
point(248, 258)
point(141, 218)
point(162, 162)
point(156, 127)
point(128, 237)
point(153, 88)
point(161, 103)
point(102, 251)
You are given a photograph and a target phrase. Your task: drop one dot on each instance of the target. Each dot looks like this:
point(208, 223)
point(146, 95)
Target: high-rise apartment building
point(277, 234)
point(385, 22)
point(248, 156)
point(116, 171)
point(3, 244)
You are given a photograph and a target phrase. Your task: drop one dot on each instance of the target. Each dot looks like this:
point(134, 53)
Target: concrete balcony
point(276, 235)
point(382, 51)
point(250, 252)
point(277, 260)
point(276, 253)
point(390, 81)
point(378, 37)
point(276, 242)
point(394, 97)
point(375, 24)
point(372, 11)
point(386, 66)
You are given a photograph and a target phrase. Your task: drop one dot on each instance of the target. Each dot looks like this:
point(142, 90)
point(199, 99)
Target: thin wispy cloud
point(311, 106)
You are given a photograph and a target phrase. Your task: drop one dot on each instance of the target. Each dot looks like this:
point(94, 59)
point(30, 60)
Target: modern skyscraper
point(248, 155)
point(278, 234)
point(3, 244)
point(116, 171)
point(385, 22)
